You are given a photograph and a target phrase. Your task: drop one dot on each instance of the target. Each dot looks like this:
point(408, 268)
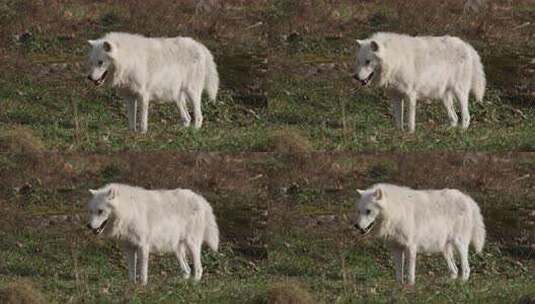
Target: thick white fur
point(422, 220)
point(155, 220)
point(155, 69)
point(413, 68)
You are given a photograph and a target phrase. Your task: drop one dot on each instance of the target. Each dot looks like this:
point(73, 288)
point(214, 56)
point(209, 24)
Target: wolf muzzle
point(362, 230)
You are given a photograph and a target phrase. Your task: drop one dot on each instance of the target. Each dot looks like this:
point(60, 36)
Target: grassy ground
point(285, 223)
point(285, 68)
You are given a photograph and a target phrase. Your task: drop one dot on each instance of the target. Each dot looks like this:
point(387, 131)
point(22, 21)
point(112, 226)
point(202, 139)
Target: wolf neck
point(125, 73)
point(389, 67)
point(391, 222)
point(123, 227)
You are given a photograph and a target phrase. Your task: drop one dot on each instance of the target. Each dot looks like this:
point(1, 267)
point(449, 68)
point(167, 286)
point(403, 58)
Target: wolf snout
point(356, 77)
point(89, 226)
point(360, 229)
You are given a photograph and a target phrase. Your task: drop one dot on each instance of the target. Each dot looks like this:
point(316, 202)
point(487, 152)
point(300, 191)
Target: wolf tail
point(478, 230)
point(211, 231)
point(479, 81)
point(211, 80)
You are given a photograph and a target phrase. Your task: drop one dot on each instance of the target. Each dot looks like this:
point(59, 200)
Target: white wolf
point(422, 220)
point(154, 220)
point(413, 68)
point(163, 69)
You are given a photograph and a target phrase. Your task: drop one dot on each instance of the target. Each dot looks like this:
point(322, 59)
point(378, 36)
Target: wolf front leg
point(144, 121)
point(398, 111)
point(399, 260)
point(143, 255)
point(412, 113)
point(410, 255)
point(131, 108)
point(131, 258)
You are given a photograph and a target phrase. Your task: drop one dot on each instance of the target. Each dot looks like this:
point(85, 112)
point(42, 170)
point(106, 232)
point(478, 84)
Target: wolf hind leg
point(450, 260)
point(462, 96)
point(183, 108)
point(182, 260)
point(462, 249)
point(195, 97)
point(195, 250)
point(450, 108)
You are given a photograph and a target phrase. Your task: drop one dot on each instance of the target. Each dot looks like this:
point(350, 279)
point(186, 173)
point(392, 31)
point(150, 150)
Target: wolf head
point(369, 209)
point(100, 60)
point(101, 208)
point(368, 61)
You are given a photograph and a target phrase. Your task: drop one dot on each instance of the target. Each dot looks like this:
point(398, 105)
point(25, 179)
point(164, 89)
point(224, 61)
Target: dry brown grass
point(502, 21)
point(287, 140)
point(21, 292)
point(289, 293)
point(20, 139)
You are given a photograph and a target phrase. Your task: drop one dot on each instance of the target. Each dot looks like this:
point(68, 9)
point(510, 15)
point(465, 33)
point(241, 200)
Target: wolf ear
point(92, 42)
point(358, 42)
point(361, 192)
point(378, 194)
point(107, 46)
point(93, 192)
point(374, 46)
point(112, 193)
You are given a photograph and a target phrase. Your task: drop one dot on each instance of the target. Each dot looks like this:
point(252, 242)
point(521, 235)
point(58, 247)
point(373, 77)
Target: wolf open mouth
point(366, 81)
point(100, 228)
point(367, 230)
point(100, 81)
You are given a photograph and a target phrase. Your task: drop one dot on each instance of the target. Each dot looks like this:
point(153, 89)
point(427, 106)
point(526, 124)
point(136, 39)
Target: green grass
point(358, 272)
point(67, 264)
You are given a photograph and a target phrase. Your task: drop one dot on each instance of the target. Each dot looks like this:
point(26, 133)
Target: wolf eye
point(368, 211)
point(100, 62)
point(368, 62)
point(100, 211)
